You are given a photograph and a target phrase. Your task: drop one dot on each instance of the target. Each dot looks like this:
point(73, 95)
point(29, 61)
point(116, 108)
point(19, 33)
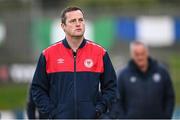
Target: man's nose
point(77, 23)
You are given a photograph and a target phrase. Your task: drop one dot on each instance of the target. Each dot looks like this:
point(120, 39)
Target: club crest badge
point(133, 79)
point(88, 63)
point(156, 77)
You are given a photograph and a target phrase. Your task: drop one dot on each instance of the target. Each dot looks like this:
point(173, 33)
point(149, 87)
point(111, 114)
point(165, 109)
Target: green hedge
point(175, 74)
point(13, 96)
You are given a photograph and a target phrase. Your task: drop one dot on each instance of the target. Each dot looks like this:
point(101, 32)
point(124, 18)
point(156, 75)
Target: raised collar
point(65, 43)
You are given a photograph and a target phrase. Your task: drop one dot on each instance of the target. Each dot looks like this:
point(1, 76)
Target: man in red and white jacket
point(68, 74)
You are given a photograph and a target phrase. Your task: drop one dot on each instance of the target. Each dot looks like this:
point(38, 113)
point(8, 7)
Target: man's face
point(140, 55)
point(74, 25)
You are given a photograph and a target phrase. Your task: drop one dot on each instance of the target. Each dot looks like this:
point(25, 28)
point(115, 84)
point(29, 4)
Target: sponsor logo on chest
point(60, 61)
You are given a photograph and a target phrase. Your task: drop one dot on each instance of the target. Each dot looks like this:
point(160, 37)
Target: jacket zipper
point(75, 87)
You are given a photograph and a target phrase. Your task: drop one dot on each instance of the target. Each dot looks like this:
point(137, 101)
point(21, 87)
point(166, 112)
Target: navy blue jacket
point(31, 108)
point(144, 95)
point(66, 84)
point(32, 111)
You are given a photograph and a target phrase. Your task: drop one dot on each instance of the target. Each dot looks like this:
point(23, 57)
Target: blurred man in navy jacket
point(144, 87)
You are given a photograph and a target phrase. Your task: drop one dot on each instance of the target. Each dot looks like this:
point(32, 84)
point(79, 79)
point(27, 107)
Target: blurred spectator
point(144, 90)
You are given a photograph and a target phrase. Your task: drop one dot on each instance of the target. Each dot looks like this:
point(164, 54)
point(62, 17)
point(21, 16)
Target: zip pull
point(74, 54)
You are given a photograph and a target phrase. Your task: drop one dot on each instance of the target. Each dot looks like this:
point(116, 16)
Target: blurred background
point(29, 26)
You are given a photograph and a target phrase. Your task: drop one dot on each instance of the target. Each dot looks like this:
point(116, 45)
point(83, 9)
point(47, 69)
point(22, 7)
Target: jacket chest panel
point(65, 62)
point(151, 85)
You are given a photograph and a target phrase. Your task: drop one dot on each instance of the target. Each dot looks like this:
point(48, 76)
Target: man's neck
point(144, 69)
point(74, 42)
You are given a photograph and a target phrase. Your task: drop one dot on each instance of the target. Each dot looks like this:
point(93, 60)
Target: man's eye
point(81, 20)
point(72, 21)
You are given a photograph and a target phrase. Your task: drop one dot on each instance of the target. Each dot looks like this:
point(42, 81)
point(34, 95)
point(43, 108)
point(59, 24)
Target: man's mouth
point(78, 29)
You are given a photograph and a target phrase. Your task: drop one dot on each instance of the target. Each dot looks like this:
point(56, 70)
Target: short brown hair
point(68, 9)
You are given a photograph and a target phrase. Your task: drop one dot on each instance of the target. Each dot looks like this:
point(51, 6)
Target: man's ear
point(62, 26)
